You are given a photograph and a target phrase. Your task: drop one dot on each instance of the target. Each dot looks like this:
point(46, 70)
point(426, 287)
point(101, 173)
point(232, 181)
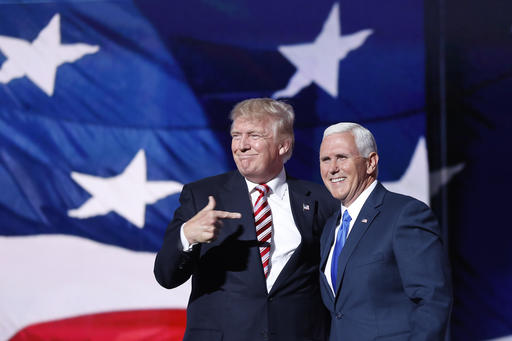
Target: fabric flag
point(108, 107)
point(479, 87)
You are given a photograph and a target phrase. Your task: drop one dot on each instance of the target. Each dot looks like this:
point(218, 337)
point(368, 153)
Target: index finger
point(227, 215)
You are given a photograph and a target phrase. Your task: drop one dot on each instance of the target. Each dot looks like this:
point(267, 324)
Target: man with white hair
point(384, 270)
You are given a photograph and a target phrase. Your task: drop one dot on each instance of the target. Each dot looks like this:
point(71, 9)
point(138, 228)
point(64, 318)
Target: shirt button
point(339, 315)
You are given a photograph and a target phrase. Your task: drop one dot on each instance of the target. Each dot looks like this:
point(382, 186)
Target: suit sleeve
point(424, 269)
point(173, 266)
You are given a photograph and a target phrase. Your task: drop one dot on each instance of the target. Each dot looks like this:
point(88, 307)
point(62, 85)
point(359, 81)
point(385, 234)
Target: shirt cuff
point(187, 247)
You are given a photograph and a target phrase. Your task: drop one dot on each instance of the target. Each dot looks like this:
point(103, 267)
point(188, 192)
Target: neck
point(264, 179)
point(363, 186)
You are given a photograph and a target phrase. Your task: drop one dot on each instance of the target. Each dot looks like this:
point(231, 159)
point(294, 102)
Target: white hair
point(365, 142)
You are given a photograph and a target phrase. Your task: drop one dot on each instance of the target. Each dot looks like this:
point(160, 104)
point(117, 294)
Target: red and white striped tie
point(263, 222)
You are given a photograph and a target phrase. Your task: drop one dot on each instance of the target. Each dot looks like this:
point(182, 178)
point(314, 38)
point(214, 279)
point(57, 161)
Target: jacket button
point(339, 315)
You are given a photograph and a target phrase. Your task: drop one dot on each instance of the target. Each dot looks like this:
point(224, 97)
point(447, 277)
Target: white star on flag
point(415, 181)
point(319, 61)
point(40, 59)
point(441, 177)
point(127, 194)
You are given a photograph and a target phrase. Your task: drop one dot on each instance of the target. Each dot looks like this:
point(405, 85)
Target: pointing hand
point(204, 226)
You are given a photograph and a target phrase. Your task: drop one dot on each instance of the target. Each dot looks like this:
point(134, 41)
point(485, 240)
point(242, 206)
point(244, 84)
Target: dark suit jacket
point(393, 280)
point(229, 299)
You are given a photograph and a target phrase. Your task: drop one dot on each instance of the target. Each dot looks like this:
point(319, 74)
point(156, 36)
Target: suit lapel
point(330, 225)
point(302, 206)
point(236, 196)
point(363, 221)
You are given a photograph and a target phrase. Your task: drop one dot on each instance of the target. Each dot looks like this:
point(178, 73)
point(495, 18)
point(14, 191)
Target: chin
point(248, 175)
point(339, 196)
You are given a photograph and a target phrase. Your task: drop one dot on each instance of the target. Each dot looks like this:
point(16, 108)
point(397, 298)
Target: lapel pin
point(305, 207)
point(364, 220)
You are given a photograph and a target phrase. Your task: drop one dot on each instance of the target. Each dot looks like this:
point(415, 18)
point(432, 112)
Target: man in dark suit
point(252, 278)
point(384, 271)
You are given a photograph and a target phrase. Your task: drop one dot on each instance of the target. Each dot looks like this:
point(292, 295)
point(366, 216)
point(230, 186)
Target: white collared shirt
point(353, 211)
point(285, 234)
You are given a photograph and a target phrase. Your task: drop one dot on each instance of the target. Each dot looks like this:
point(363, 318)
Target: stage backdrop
point(108, 107)
point(478, 52)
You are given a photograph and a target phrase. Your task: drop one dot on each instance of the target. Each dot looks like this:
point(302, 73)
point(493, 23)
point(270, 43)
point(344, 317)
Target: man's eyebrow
point(254, 131)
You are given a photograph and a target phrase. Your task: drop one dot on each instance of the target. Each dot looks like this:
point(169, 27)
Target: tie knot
point(346, 217)
point(263, 189)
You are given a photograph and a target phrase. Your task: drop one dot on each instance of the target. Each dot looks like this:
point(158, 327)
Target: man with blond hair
point(250, 239)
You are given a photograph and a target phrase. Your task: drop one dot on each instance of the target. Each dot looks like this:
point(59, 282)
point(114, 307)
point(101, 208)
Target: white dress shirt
point(353, 211)
point(285, 235)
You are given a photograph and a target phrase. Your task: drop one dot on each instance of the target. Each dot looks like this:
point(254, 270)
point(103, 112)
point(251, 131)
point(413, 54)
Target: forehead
point(246, 124)
point(339, 143)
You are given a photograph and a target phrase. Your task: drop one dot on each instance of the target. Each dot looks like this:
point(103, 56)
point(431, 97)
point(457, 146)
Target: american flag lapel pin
point(364, 220)
point(305, 207)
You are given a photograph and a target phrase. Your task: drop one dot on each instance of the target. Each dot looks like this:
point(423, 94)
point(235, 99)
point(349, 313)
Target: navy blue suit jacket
point(229, 299)
point(393, 278)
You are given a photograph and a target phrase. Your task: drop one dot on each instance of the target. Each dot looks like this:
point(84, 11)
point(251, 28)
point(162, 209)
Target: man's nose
point(243, 143)
point(333, 168)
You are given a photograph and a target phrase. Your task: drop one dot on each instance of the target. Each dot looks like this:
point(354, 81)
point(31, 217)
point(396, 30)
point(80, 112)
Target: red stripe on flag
point(140, 325)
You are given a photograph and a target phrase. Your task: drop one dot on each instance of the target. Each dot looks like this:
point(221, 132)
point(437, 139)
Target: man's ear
point(371, 163)
point(285, 146)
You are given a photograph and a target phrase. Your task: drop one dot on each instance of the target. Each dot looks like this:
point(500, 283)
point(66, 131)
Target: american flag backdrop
point(108, 107)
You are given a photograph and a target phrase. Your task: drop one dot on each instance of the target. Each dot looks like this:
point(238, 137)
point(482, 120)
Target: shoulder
point(398, 199)
point(215, 180)
point(405, 208)
point(315, 191)
point(308, 187)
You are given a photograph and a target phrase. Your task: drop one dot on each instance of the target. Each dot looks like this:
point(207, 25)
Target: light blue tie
point(340, 241)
